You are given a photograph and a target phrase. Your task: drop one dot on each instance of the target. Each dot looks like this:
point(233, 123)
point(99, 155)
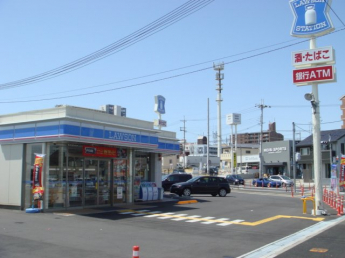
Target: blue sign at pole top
point(311, 18)
point(159, 104)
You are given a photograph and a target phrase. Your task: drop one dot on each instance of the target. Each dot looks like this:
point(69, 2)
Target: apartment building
point(270, 135)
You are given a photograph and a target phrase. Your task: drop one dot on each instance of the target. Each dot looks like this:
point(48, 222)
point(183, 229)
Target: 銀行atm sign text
point(320, 74)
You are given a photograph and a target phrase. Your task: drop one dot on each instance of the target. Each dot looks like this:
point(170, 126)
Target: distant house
point(332, 147)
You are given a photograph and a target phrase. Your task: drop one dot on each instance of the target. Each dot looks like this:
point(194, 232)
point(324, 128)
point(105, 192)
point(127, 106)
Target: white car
point(285, 180)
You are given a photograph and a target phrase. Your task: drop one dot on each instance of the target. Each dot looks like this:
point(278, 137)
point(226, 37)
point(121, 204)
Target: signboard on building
point(98, 151)
point(311, 18)
point(303, 58)
point(159, 122)
point(233, 119)
point(275, 149)
point(342, 174)
point(320, 74)
point(249, 158)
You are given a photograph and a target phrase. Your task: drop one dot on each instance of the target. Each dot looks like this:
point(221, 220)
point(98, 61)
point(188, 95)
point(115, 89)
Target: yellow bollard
point(304, 200)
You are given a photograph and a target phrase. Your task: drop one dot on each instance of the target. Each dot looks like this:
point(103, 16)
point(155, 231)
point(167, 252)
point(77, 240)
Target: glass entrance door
point(90, 182)
point(74, 182)
point(87, 182)
point(104, 182)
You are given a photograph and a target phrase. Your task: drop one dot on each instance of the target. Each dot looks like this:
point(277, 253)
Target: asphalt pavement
point(262, 223)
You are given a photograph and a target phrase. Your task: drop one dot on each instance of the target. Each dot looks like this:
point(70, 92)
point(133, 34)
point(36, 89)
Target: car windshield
point(237, 177)
point(164, 177)
point(286, 177)
point(193, 179)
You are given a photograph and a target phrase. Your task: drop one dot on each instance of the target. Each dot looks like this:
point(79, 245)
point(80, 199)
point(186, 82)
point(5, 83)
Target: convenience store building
point(91, 158)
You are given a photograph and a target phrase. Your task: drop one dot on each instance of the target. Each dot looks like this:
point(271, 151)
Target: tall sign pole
point(159, 108)
point(311, 19)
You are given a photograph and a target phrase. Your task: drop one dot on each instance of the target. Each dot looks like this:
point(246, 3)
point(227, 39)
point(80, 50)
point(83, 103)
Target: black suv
point(168, 180)
point(202, 185)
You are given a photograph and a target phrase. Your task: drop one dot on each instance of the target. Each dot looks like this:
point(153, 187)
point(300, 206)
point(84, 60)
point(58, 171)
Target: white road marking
point(208, 222)
point(237, 220)
point(282, 245)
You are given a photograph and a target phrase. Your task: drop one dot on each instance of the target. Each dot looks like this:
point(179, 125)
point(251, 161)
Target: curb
point(187, 202)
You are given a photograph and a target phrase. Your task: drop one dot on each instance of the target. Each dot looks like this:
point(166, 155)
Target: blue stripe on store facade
point(73, 130)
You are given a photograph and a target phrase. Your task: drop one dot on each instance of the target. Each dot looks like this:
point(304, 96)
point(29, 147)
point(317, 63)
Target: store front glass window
point(141, 171)
point(31, 150)
point(56, 179)
point(120, 172)
point(76, 180)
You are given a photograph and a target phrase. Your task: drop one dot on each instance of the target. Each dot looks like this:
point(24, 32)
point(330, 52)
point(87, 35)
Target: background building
point(267, 136)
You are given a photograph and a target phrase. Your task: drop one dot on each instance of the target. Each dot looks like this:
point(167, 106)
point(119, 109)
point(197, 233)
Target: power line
point(111, 48)
point(161, 79)
point(165, 21)
point(335, 13)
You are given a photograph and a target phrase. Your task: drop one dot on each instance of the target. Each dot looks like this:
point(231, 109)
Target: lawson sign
point(311, 18)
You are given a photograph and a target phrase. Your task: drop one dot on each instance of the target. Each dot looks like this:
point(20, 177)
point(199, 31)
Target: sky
point(252, 38)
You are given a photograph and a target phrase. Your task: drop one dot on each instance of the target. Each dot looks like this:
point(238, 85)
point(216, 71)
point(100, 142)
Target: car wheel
point(214, 194)
point(222, 192)
point(187, 192)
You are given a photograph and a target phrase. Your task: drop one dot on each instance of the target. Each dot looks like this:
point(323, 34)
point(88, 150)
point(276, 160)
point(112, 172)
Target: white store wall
point(11, 162)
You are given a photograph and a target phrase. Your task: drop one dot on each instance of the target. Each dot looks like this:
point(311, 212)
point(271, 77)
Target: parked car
point(178, 172)
point(284, 180)
point(211, 170)
point(169, 180)
point(202, 185)
point(235, 179)
point(215, 170)
point(265, 182)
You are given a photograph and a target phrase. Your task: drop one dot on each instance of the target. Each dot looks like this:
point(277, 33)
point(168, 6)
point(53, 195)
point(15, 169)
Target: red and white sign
point(324, 55)
point(342, 173)
point(159, 122)
point(97, 151)
point(320, 74)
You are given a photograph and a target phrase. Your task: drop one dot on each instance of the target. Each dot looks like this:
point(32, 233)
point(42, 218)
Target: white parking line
point(193, 220)
point(181, 218)
point(237, 220)
point(161, 216)
point(153, 214)
point(223, 224)
point(208, 222)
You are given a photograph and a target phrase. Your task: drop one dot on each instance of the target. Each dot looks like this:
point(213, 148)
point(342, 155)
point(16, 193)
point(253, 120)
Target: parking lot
point(245, 221)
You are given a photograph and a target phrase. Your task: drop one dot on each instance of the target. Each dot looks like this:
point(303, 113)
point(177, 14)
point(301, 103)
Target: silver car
point(285, 180)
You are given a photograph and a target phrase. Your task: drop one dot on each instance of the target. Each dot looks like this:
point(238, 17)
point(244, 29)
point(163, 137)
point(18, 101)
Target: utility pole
point(294, 155)
point(184, 141)
point(261, 106)
point(208, 137)
point(219, 78)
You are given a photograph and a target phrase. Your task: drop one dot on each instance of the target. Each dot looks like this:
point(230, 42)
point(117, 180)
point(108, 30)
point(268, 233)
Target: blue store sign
point(311, 18)
point(159, 104)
